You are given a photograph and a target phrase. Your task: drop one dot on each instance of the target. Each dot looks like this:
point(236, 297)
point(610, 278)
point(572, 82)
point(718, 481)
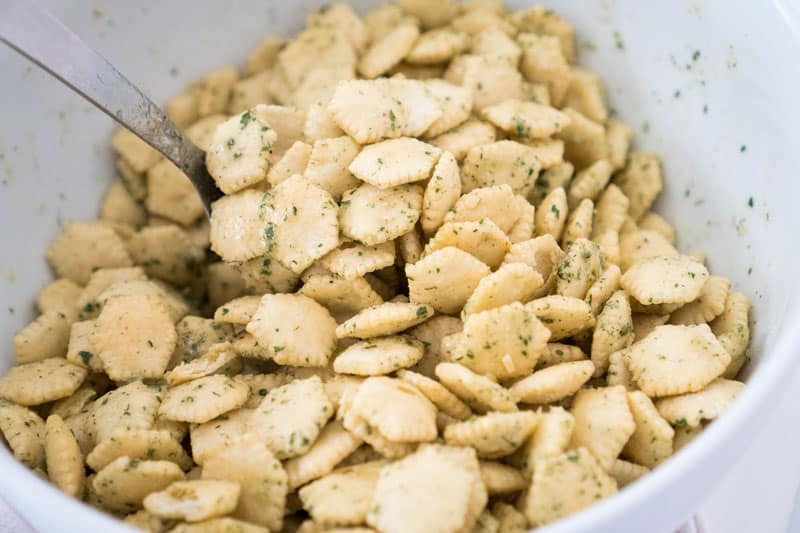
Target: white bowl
point(55, 161)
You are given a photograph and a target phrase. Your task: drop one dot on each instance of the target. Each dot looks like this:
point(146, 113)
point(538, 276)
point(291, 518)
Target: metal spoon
point(35, 33)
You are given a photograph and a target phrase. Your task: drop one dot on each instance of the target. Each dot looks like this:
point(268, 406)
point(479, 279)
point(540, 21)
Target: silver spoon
point(35, 33)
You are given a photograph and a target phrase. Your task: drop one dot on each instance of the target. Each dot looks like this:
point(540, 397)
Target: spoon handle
point(35, 33)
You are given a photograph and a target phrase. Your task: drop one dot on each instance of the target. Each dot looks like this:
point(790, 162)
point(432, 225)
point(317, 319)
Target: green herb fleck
point(618, 42)
point(521, 129)
point(269, 236)
point(245, 120)
point(85, 356)
point(265, 267)
point(573, 456)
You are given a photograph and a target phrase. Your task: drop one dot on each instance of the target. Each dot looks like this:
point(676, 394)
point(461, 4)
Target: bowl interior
point(704, 84)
